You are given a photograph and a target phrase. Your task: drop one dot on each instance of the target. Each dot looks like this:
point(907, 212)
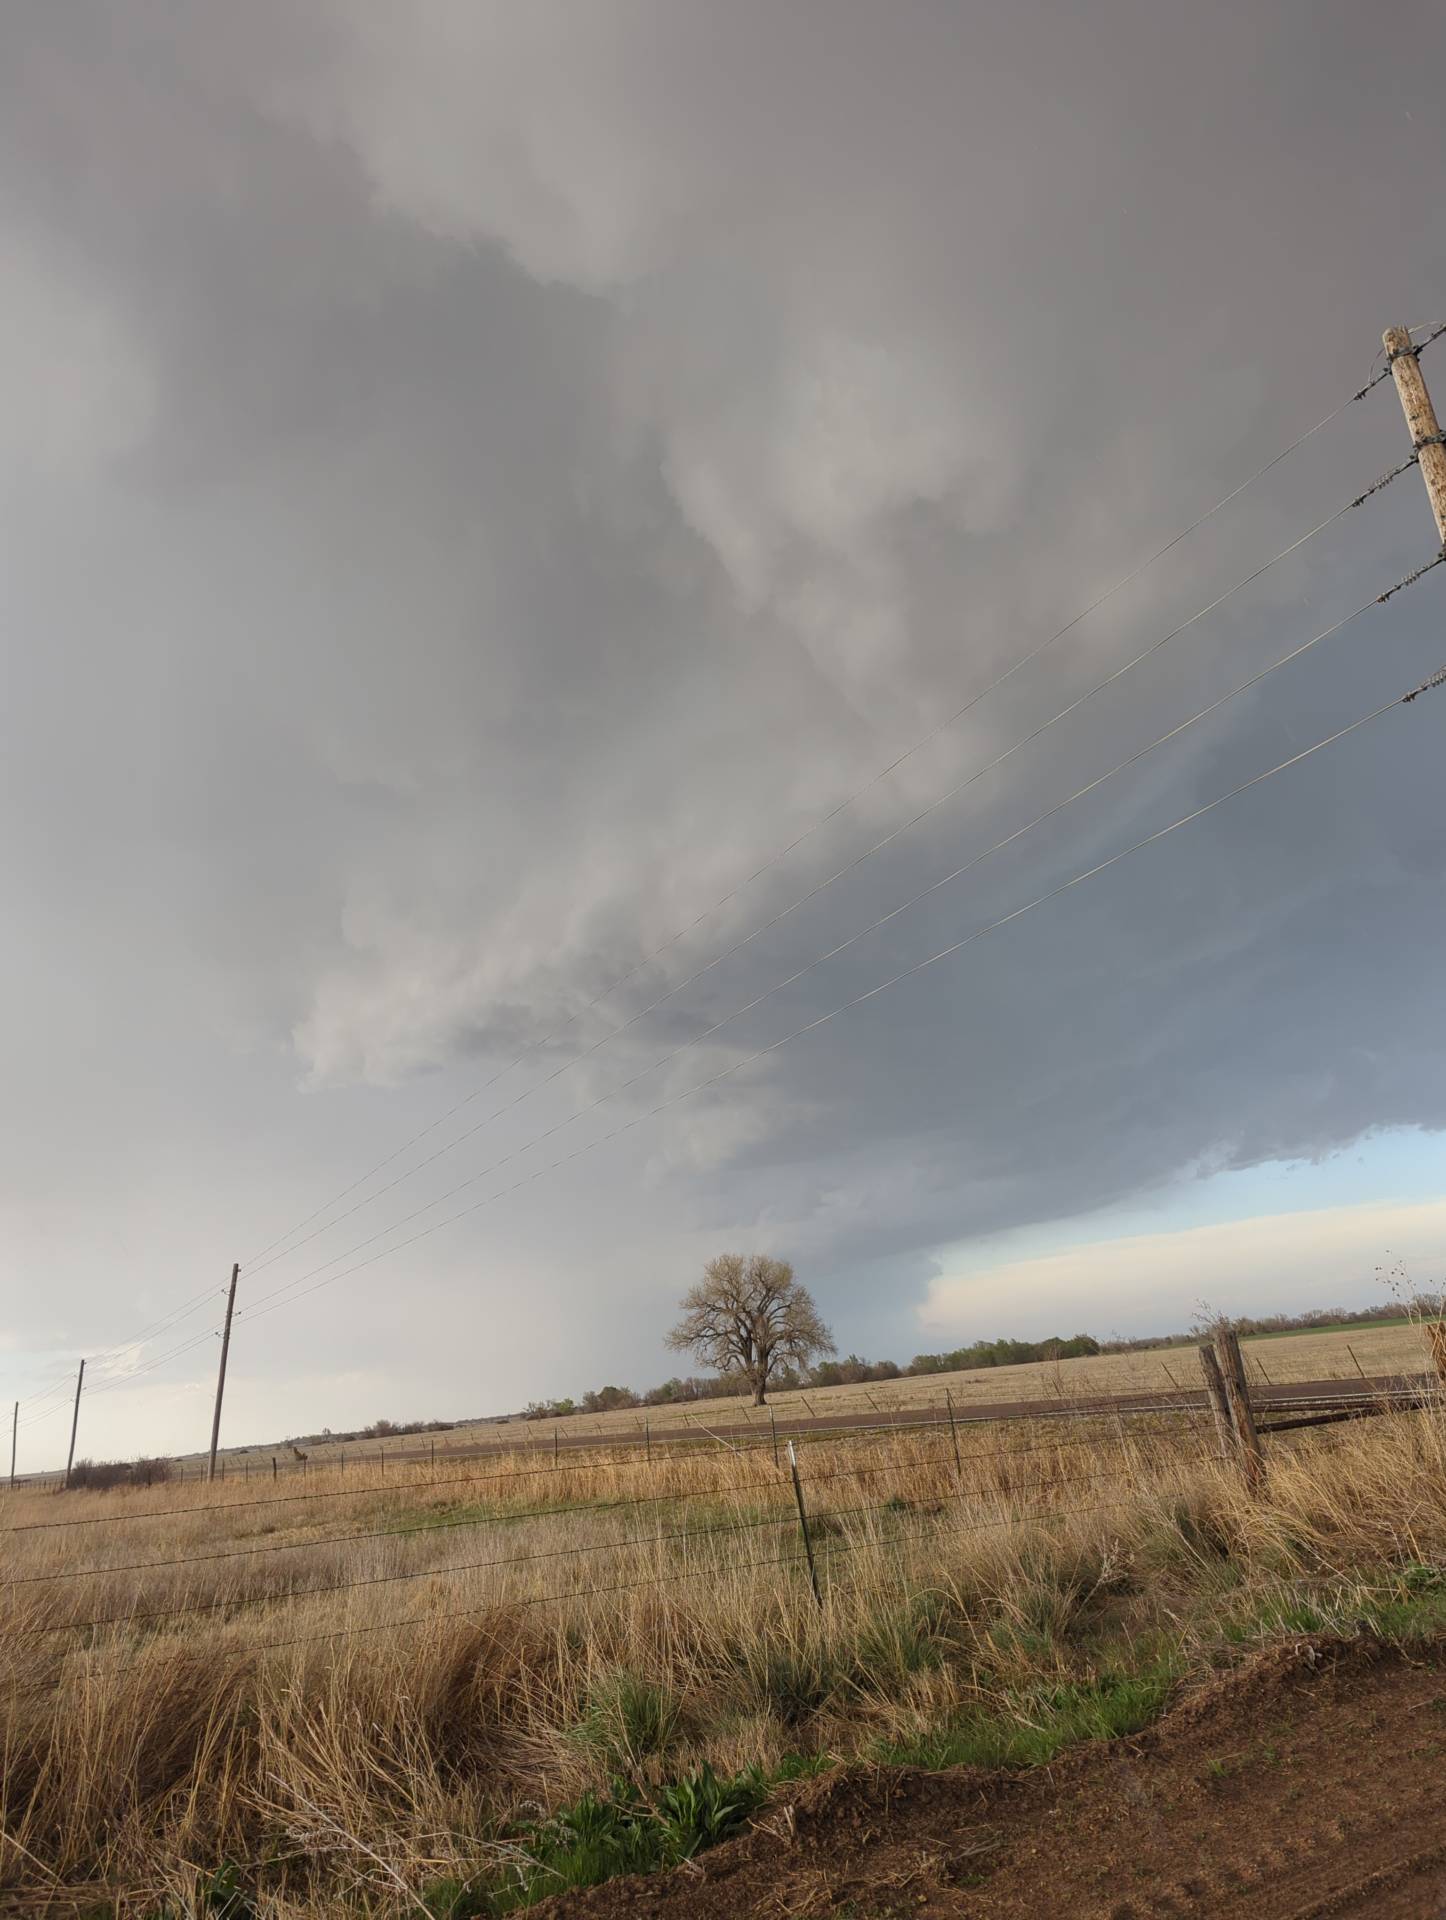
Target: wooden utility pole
point(14, 1431)
point(221, 1371)
point(74, 1424)
point(1420, 419)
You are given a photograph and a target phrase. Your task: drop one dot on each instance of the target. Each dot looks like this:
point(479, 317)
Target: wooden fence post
point(1237, 1395)
point(1436, 1341)
point(1219, 1405)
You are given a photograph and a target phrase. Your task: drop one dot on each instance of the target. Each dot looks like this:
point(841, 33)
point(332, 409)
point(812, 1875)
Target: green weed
point(624, 1831)
point(629, 1719)
point(1036, 1723)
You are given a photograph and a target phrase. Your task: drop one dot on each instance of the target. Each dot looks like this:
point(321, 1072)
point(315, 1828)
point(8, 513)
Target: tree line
point(851, 1371)
point(758, 1328)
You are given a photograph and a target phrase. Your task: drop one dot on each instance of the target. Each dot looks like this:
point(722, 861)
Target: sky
point(487, 493)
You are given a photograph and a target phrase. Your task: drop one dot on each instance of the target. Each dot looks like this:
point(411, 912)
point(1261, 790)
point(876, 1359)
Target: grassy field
point(532, 1674)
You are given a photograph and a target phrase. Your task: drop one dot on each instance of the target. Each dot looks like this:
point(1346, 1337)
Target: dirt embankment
point(1308, 1783)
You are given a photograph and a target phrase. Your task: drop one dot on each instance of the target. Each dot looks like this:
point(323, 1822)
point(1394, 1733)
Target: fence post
point(648, 1437)
point(273, 1466)
point(554, 1445)
point(1435, 1332)
point(1237, 1396)
point(773, 1425)
point(954, 1436)
point(1219, 1405)
point(803, 1523)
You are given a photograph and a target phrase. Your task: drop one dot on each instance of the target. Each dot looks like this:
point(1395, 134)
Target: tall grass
point(383, 1745)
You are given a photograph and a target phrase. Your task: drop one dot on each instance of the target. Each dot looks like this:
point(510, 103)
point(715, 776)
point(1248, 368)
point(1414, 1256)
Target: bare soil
point(1307, 1783)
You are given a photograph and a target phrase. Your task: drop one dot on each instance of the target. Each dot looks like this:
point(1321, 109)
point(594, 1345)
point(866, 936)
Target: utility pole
point(221, 1372)
point(1420, 419)
point(14, 1430)
point(74, 1423)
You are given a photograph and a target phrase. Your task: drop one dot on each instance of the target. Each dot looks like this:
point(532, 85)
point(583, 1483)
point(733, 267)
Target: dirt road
point(1307, 1784)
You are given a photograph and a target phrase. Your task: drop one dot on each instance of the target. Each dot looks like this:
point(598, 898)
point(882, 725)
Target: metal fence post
point(803, 1523)
point(954, 1436)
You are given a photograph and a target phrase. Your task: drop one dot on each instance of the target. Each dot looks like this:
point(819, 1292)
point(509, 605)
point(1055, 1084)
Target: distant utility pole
point(14, 1430)
point(221, 1373)
point(1420, 418)
point(74, 1423)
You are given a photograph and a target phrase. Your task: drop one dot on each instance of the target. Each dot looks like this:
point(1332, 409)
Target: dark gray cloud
point(478, 480)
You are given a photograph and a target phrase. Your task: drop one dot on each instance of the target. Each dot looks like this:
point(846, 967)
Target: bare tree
point(749, 1315)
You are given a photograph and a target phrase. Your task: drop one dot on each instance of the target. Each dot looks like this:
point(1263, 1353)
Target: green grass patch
point(1037, 1723)
point(1306, 1333)
point(628, 1718)
point(602, 1835)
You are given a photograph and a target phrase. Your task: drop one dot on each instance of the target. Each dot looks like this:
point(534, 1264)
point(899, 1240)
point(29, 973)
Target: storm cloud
point(479, 480)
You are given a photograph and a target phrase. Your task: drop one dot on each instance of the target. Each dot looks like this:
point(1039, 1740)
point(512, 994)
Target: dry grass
point(351, 1749)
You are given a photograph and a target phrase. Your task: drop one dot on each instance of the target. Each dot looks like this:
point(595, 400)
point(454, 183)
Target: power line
point(255, 1261)
point(64, 1385)
point(297, 1288)
point(110, 1383)
point(839, 873)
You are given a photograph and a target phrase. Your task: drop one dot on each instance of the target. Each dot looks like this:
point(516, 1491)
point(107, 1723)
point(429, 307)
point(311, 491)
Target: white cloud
point(1268, 1263)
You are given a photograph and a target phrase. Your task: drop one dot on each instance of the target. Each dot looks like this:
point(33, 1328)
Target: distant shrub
point(99, 1476)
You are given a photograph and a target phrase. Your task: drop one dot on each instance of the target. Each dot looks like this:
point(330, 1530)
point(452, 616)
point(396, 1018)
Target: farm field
point(1384, 1349)
point(457, 1691)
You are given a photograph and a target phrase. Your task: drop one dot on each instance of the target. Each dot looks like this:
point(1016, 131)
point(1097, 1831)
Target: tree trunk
point(760, 1386)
